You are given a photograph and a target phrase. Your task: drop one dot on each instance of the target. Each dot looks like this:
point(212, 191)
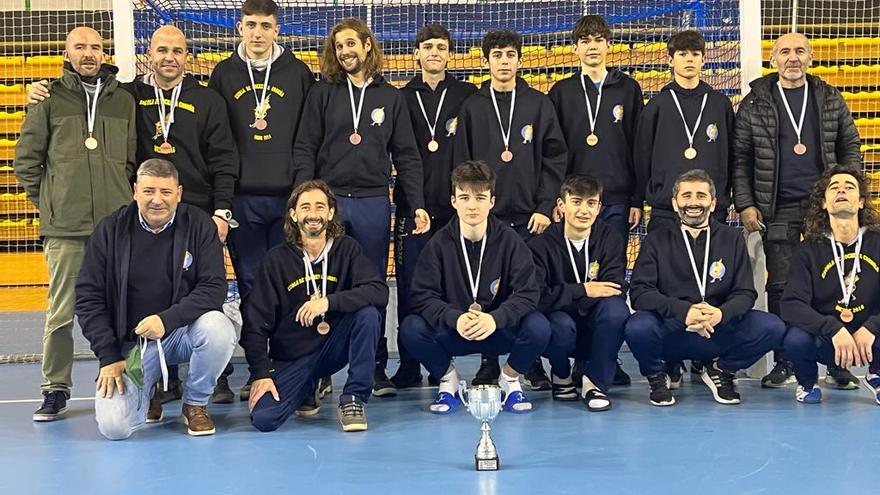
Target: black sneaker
point(382, 386)
point(697, 368)
point(660, 393)
point(175, 391)
point(408, 375)
point(841, 378)
point(675, 373)
point(488, 373)
point(244, 394)
point(620, 376)
point(222, 393)
point(780, 376)
point(325, 387)
point(536, 377)
point(721, 384)
point(54, 406)
point(352, 416)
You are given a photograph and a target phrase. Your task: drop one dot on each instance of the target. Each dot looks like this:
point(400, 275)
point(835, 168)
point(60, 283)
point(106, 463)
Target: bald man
point(74, 158)
point(790, 128)
point(181, 121)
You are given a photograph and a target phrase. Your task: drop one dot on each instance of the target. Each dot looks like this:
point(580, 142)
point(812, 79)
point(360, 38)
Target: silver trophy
point(484, 403)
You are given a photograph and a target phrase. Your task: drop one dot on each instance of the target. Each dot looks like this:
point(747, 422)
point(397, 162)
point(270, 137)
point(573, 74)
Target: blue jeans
point(207, 344)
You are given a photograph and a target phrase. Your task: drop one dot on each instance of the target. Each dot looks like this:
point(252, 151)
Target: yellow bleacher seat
point(10, 122)
point(12, 95)
point(868, 128)
point(43, 66)
point(16, 204)
point(7, 149)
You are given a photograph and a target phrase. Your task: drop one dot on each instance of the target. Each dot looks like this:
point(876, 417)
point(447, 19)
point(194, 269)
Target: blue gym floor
point(768, 444)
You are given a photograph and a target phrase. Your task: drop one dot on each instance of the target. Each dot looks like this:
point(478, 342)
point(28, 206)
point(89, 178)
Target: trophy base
point(490, 464)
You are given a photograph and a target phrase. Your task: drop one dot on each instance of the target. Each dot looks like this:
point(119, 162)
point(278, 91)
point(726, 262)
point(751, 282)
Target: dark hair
point(689, 40)
point(431, 31)
point(330, 67)
point(817, 223)
point(694, 175)
point(157, 167)
point(583, 185)
point(260, 7)
point(291, 229)
point(590, 25)
point(473, 175)
point(501, 38)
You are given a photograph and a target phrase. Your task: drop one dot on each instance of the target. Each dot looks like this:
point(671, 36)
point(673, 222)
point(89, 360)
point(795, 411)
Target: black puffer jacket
point(756, 133)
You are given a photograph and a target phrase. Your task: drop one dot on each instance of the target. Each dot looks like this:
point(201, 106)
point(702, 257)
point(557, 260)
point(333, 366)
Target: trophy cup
point(484, 403)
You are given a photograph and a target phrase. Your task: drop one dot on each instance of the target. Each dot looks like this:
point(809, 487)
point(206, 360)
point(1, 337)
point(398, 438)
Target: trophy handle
point(462, 393)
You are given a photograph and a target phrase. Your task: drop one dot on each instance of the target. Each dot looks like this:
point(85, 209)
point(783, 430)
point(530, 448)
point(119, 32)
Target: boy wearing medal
point(434, 98)
point(313, 310)
point(356, 123)
point(789, 128)
point(478, 295)
point(687, 125)
point(580, 268)
point(831, 300)
point(693, 291)
point(74, 158)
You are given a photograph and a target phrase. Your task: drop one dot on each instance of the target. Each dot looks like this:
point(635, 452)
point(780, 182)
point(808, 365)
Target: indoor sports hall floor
point(768, 444)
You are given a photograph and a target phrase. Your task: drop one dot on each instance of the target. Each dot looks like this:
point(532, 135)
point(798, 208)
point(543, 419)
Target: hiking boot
point(54, 406)
point(198, 422)
point(352, 416)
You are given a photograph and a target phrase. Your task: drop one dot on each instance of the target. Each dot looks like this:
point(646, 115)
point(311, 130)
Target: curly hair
point(291, 230)
point(817, 223)
point(374, 62)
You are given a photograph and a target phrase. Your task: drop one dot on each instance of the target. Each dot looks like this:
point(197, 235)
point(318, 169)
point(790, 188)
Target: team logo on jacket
point(187, 260)
point(493, 287)
point(712, 132)
point(527, 132)
point(451, 126)
point(717, 270)
point(617, 113)
point(594, 270)
point(378, 116)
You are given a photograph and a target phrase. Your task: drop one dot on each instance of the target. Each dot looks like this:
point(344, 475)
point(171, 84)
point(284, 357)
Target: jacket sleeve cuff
point(680, 309)
point(546, 208)
point(831, 326)
point(112, 356)
point(578, 290)
point(451, 316)
point(873, 324)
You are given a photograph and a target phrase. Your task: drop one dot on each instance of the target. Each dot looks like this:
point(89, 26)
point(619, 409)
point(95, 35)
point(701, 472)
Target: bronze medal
point(354, 138)
point(800, 149)
point(506, 156)
point(475, 307)
point(165, 148)
point(846, 315)
point(260, 124)
point(323, 328)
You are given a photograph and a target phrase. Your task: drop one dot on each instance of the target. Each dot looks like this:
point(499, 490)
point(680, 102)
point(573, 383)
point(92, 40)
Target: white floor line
point(39, 401)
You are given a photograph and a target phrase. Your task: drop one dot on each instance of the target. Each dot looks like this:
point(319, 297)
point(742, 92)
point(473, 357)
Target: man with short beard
point(693, 291)
point(74, 158)
point(835, 313)
point(356, 124)
point(789, 128)
point(313, 310)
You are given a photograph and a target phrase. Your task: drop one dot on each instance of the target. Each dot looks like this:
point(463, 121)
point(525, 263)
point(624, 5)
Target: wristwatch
point(226, 216)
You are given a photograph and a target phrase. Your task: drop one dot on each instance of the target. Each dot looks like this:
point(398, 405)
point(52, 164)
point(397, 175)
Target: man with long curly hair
point(831, 301)
point(315, 303)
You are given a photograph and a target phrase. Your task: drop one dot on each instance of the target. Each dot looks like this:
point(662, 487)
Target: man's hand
point(845, 350)
point(538, 223)
point(864, 340)
point(635, 217)
point(38, 91)
point(422, 221)
point(713, 315)
point(312, 309)
point(602, 289)
point(752, 219)
point(222, 227)
point(557, 214)
point(260, 388)
point(698, 323)
point(151, 328)
point(482, 326)
point(464, 324)
point(110, 376)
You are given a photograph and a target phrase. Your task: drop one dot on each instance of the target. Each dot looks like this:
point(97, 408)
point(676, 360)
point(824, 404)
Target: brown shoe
point(197, 420)
point(155, 413)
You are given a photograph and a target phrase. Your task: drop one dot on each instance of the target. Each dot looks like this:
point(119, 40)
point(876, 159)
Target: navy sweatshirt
point(812, 297)
point(661, 141)
point(530, 182)
point(507, 290)
point(437, 166)
point(266, 156)
point(663, 280)
point(560, 290)
point(323, 150)
point(204, 151)
point(280, 289)
point(610, 160)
